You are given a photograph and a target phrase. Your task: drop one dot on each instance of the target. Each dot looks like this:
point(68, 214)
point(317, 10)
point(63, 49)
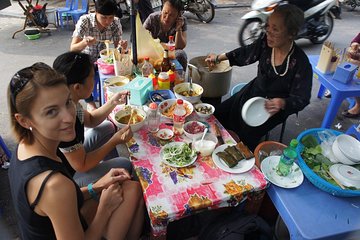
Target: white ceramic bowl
point(103, 53)
point(194, 129)
point(207, 147)
point(182, 89)
point(125, 114)
point(346, 175)
point(165, 134)
point(116, 84)
point(166, 108)
point(339, 154)
point(254, 113)
point(349, 146)
point(204, 110)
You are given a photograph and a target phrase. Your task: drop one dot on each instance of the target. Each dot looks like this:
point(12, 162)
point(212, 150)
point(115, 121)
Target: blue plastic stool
point(237, 88)
point(5, 148)
point(352, 131)
point(97, 88)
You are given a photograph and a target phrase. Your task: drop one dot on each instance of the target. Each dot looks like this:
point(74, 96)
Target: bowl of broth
point(137, 121)
point(182, 91)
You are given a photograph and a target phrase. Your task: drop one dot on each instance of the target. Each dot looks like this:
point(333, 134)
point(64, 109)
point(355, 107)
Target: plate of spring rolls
point(233, 158)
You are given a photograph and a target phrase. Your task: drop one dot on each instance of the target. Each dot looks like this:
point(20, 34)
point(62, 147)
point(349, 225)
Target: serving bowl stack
point(346, 149)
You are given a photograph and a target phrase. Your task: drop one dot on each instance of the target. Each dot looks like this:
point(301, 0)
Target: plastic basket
point(313, 177)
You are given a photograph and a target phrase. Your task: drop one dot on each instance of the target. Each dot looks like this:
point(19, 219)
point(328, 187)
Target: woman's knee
point(132, 189)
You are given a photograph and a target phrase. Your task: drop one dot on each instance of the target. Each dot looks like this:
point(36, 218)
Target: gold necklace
point(287, 61)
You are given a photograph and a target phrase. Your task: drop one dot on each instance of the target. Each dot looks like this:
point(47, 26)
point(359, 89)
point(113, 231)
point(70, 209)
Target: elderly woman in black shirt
point(284, 75)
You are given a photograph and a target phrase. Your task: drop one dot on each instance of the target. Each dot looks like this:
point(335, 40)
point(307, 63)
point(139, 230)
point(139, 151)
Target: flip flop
point(347, 114)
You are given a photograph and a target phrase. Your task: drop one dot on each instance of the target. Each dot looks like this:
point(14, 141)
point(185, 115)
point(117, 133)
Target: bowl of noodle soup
point(137, 121)
point(167, 107)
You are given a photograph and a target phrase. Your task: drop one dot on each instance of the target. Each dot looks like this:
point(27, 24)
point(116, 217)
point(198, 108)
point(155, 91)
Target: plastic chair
point(77, 13)
point(237, 88)
point(70, 5)
point(97, 88)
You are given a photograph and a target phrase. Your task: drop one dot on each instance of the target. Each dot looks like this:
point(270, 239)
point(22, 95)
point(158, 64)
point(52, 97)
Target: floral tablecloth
point(173, 193)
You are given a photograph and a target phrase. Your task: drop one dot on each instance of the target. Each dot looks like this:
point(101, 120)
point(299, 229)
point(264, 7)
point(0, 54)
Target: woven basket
point(313, 177)
point(267, 146)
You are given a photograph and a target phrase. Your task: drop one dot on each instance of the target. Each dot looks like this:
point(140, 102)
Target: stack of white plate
point(346, 175)
point(346, 150)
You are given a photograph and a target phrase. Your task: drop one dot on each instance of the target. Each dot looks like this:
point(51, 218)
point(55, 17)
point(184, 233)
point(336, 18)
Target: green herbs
point(178, 155)
point(318, 163)
point(109, 60)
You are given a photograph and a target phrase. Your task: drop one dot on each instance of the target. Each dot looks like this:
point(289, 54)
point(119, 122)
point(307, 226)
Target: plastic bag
point(122, 63)
point(327, 139)
point(146, 45)
point(40, 17)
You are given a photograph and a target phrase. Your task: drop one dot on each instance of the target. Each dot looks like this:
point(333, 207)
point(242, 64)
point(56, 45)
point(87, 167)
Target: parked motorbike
point(124, 7)
point(203, 9)
point(317, 28)
point(352, 3)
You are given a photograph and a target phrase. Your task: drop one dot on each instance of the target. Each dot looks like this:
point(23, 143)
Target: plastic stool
point(237, 88)
point(97, 89)
point(353, 132)
point(5, 148)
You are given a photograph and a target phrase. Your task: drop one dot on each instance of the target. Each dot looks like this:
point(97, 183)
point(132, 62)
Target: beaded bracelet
point(92, 193)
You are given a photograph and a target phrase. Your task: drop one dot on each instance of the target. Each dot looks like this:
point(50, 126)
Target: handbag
point(328, 59)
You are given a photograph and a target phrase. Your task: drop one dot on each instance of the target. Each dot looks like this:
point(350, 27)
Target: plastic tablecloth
point(173, 193)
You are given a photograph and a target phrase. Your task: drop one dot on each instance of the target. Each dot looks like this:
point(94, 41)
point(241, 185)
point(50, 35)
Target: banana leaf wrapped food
point(244, 150)
point(228, 159)
point(234, 152)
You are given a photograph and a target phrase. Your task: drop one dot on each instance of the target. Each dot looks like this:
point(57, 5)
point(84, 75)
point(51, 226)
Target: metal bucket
point(216, 83)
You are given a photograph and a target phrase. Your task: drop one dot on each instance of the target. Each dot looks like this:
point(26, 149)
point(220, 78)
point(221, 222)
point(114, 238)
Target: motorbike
point(203, 9)
point(319, 19)
point(352, 3)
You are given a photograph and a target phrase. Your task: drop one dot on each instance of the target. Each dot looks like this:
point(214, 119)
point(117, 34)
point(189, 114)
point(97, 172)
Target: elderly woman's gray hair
point(293, 17)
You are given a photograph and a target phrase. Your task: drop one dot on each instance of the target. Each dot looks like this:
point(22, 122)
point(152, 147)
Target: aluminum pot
point(216, 83)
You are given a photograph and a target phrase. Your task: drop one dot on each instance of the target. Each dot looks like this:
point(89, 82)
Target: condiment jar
point(163, 81)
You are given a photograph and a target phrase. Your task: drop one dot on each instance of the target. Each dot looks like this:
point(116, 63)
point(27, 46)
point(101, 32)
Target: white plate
point(349, 146)
point(164, 105)
point(293, 180)
point(165, 134)
point(175, 165)
point(254, 113)
point(243, 165)
point(346, 175)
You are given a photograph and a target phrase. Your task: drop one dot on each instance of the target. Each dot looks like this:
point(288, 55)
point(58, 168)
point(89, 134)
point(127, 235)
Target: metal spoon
point(191, 90)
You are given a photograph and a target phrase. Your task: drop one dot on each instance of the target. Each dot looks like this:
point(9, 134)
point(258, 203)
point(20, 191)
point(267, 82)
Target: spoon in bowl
point(201, 143)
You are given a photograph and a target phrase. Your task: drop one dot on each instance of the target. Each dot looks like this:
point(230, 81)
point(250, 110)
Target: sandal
point(347, 114)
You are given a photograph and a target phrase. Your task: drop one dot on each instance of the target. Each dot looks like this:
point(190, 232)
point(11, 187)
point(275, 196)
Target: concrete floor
point(218, 36)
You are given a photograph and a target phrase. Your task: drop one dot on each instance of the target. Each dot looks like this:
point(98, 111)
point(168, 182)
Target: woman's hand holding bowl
point(274, 105)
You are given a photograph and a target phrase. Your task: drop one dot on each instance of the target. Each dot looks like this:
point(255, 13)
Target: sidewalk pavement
point(16, 11)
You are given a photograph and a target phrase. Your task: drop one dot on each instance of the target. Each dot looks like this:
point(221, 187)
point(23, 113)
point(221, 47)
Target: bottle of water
point(179, 117)
point(147, 68)
point(287, 159)
point(171, 47)
point(153, 118)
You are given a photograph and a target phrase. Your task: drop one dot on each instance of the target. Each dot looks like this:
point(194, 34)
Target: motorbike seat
point(305, 5)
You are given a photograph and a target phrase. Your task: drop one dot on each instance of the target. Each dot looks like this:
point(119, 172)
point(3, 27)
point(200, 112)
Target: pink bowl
point(104, 67)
